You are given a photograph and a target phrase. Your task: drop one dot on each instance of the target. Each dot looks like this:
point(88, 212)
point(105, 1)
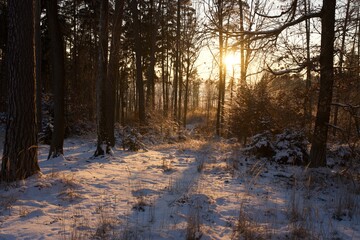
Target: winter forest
point(179, 119)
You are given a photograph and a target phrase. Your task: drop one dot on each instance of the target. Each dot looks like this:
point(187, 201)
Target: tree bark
point(101, 79)
point(341, 63)
point(151, 80)
point(186, 100)
point(138, 56)
point(180, 92)
point(242, 46)
point(319, 140)
point(177, 61)
point(220, 105)
point(308, 97)
point(3, 73)
point(58, 79)
point(38, 64)
point(113, 71)
point(20, 148)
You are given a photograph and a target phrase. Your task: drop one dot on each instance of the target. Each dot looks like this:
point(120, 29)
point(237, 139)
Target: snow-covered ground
point(190, 190)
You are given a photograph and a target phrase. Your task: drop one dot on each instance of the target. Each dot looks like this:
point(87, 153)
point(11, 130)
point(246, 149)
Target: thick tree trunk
point(58, 79)
point(319, 140)
point(38, 64)
point(113, 71)
point(101, 79)
point(3, 73)
point(3, 82)
point(20, 149)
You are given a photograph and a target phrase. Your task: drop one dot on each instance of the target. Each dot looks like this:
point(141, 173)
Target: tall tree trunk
point(138, 56)
point(177, 60)
point(38, 64)
point(341, 63)
point(163, 66)
point(220, 106)
point(186, 100)
point(58, 77)
point(242, 46)
point(308, 97)
point(343, 37)
point(3, 72)
point(180, 93)
point(319, 140)
point(113, 71)
point(102, 137)
point(223, 82)
point(163, 78)
point(76, 85)
point(20, 148)
point(151, 81)
point(167, 82)
point(358, 48)
point(232, 80)
point(122, 97)
point(3, 82)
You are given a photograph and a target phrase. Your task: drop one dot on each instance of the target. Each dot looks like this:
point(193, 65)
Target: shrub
point(289, 147)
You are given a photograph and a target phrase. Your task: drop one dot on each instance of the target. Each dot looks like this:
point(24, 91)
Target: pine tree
point(20, 148)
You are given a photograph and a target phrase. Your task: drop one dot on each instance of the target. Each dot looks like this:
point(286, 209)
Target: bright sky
point(208, 67)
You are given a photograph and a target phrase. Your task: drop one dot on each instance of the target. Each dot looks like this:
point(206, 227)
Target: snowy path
point(201, 189)
point(143, 194)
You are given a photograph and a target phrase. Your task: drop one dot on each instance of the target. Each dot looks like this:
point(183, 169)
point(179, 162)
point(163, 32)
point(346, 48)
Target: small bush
point(131, 140)
point(289, 147)
point(261, 146)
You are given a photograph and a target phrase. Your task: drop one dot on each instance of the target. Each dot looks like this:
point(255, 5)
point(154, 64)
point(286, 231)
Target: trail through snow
point(208, 190)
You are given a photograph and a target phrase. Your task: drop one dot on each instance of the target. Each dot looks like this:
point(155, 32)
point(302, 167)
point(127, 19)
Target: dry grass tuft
point(193, 229)
point(346, 206)
point(166, 165)
point(7, 202)
point(200, 164)
point(23, 211)
point(140, 204)
point(245, 228)
point(68, 180)
point(69, 194)
point(106, 227)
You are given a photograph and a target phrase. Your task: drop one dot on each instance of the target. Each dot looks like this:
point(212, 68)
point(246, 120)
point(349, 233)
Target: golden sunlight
point(232, 63)
point(231, 59)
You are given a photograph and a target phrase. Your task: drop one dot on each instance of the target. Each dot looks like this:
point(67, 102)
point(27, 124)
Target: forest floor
point(194, 189)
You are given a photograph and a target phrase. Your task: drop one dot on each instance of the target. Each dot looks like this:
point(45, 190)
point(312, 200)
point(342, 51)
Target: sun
point(231, 59)
point(232, 63)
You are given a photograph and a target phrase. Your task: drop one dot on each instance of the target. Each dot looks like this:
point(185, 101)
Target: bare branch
point(276, 31)
point(291, 10)
point(286, 71)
